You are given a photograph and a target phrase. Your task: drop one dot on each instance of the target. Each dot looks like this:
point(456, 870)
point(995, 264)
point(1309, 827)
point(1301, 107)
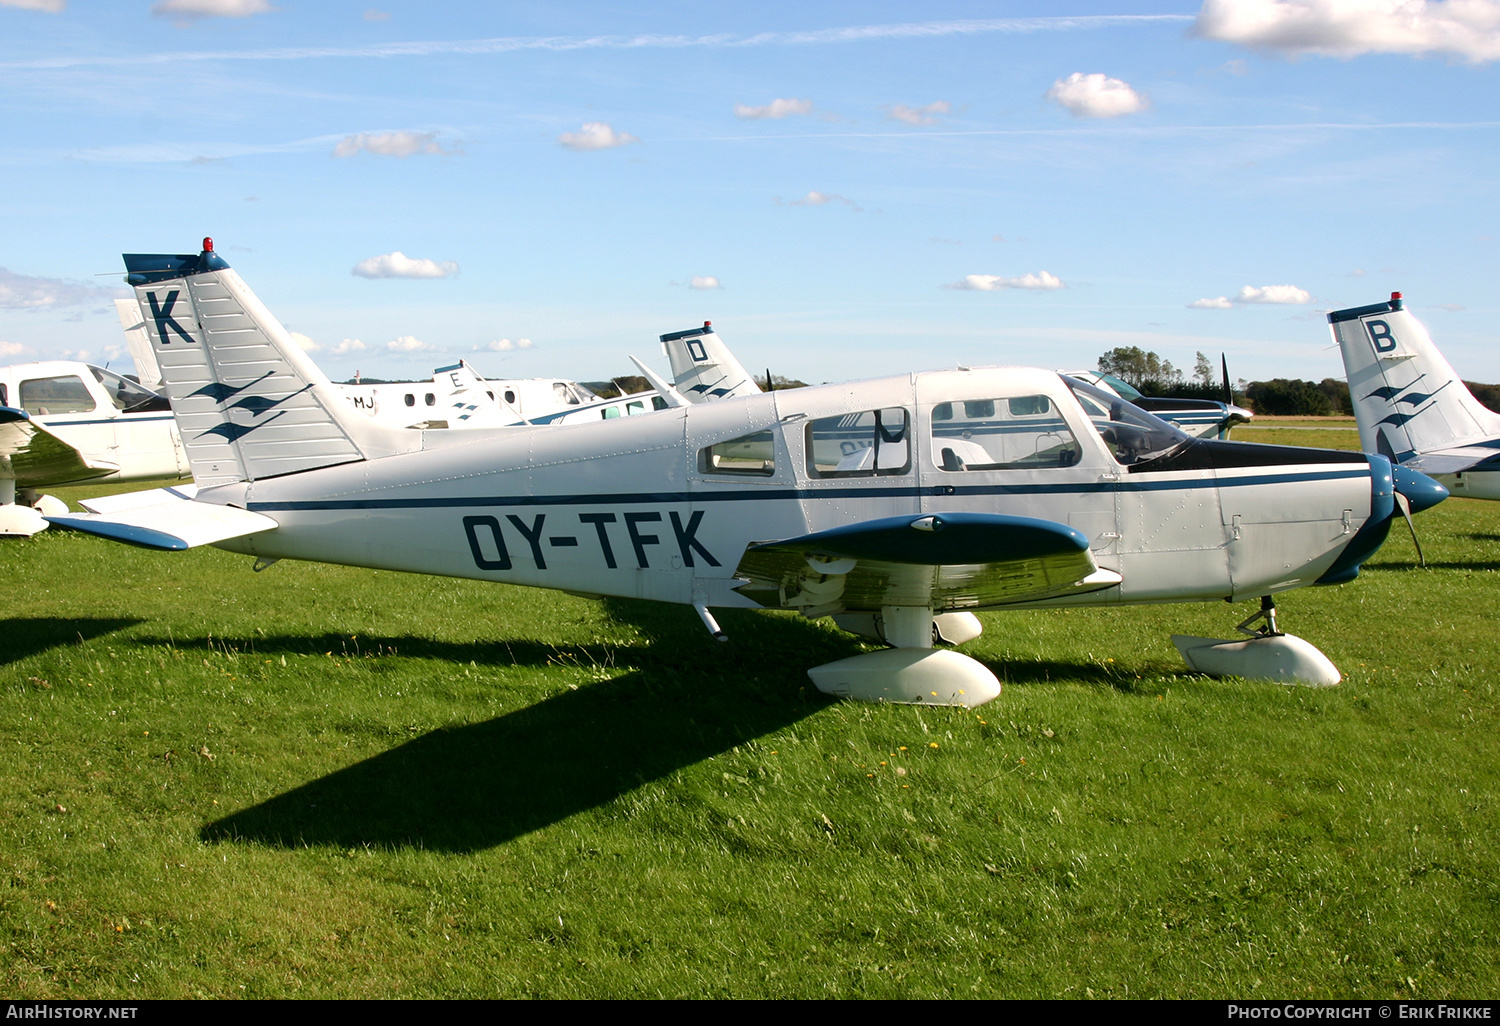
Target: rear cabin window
point(1001, 434)
point(752, 455)
point(868, 444)
point(66, 394)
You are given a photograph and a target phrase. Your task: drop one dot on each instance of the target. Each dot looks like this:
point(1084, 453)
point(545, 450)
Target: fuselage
point(663, 506)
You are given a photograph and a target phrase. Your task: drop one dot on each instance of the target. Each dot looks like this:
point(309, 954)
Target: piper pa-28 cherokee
point(897, 506)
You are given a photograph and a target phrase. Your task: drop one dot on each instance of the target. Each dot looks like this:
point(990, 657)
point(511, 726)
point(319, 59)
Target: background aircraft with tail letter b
point(1411, 405)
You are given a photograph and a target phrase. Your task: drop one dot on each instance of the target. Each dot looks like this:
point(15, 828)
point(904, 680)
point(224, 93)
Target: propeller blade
point(770, 384)
point(1405, 507)
point(1228, 392)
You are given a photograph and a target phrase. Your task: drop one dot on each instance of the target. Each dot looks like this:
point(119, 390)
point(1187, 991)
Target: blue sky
point(846, 190)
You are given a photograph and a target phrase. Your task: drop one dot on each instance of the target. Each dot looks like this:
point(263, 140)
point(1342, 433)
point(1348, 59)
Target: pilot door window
point(1020, 433)
point(68, 394)
point(869, 444)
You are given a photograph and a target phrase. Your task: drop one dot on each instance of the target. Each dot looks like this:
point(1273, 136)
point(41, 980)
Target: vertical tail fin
point(139, 343)
point(1407, 399)
point(249, 403)
point(703, 368)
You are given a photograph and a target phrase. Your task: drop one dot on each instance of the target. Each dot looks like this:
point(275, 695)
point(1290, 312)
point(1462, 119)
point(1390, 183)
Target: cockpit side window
point(64, 394)
point(868, 444)
point(1015, 433)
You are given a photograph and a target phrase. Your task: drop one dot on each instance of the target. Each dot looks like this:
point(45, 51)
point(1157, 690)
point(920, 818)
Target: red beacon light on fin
point(1395, 297)
point(708, 324)
point(208, 244)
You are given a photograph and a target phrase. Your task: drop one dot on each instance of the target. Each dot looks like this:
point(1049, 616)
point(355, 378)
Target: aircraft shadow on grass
point(470, 788)
point(23, 637)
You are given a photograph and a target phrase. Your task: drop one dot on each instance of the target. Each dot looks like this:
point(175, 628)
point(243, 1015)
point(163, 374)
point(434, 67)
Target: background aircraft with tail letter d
point(1411, 405)
point(898, 506)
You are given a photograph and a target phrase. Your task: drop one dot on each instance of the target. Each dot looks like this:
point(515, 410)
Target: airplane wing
point(945, 561)
point(35, 457)
point(164, 518)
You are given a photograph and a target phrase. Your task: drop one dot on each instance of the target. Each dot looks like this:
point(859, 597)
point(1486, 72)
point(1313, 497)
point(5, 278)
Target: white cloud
point(1289, 294)
point(307, 344)
point(1348, 28)
point(595, 135)
point(409, 344)
point(1042, 281)
point(399, 265)
point(50, 6)
point(814, 198)
point(927, 115)
point(774, 109)
point(704, 282)
point(349, 345)
point(389, 144)
point(371, 14)
point(503, 345)
point(11, 349)
point(24, 292)
point(188, 10)
point(1095, 96)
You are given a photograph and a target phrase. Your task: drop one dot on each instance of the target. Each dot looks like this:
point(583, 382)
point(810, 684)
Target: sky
point(847, 190)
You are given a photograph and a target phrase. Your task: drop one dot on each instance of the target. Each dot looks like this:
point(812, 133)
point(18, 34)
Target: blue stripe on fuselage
point(772, 494)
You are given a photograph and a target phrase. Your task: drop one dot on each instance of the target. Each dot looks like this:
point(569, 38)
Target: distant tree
point(1337, 392)
point(778, 383)
point(1488, 395)
point(1203, 372)
point(1138, 367)
point(1286, 397)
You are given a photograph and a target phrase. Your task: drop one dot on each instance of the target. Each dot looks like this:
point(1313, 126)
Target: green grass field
point(325, 782)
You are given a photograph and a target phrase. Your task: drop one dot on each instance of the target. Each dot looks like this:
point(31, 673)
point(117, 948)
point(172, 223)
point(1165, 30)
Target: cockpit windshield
point(1132, 434)
point(130, 396)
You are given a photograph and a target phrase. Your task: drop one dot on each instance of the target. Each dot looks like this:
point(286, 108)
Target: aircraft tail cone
point(908, 676)
point(1281, 658)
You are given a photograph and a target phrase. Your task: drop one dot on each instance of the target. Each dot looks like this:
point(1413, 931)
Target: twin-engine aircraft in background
point(898, 506)
point(1410, 404)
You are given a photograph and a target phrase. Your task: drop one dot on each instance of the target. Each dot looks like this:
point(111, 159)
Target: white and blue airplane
point(897, 506)
point(64, 422)
point(1410, 404)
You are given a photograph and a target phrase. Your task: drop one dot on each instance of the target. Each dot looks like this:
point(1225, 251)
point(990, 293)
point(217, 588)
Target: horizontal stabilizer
point(172, 525)
point(942, 561)
point(108, 504)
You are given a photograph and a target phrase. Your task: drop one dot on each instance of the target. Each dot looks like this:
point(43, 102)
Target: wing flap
point(947, 561)
point(173, 525)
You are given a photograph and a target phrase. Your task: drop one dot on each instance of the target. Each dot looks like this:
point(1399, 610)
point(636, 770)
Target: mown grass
point(325, 782)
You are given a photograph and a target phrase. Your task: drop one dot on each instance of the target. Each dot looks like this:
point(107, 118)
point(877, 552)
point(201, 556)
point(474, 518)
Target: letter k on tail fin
point(249, 403)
